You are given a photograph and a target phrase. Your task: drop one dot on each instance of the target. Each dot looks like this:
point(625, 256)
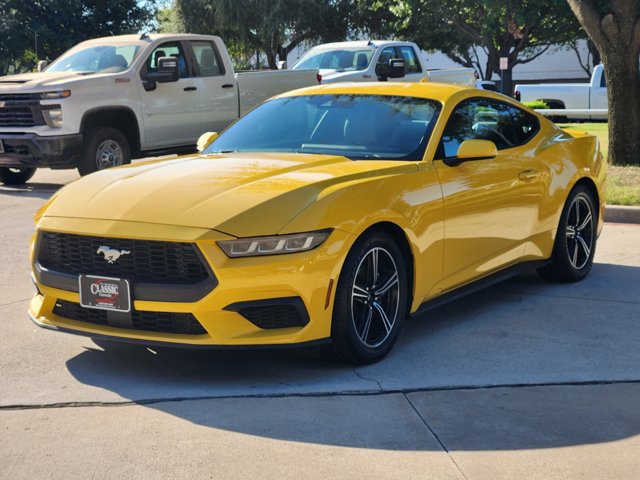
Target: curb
point(621, 214)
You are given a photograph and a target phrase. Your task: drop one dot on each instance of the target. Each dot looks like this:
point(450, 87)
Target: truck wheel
point(104, 147)
point(15, 176)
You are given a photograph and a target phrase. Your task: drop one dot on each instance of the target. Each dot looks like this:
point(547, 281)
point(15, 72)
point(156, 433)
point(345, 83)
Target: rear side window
point(485, 119)
point(207, 59)
point(411, 63)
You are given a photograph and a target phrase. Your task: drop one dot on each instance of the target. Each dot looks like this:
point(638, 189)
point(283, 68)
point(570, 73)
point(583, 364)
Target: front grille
point(20, 110)
point(165, 322)
point(148, 261)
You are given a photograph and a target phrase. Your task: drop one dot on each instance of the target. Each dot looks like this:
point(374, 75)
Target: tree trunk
point(623, 91)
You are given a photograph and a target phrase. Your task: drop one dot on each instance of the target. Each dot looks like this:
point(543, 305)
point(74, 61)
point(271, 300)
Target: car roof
point(360, 44)
point(432, 90)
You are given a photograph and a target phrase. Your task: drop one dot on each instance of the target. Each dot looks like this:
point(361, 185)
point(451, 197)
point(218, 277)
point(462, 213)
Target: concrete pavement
point(452, 400)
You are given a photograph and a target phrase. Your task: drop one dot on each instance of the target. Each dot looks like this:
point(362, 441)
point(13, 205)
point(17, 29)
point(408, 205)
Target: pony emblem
point(111, 254)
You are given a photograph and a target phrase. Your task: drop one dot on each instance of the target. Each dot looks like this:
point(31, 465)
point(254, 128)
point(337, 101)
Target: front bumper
point(30, 150)
point(301, 280)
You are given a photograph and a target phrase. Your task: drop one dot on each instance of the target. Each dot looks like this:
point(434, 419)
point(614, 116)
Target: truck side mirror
point(396, 68)
point(393, 69)
point(167, 71)
point(42, 64)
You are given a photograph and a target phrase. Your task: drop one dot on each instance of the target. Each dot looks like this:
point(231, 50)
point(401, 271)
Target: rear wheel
point(104, 147)
point(575, 243)
point(371, 300)
point(15, 176)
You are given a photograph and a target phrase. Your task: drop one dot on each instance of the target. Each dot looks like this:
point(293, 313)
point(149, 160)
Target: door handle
point(190, 89)
point(528, 174)
point(227, 85)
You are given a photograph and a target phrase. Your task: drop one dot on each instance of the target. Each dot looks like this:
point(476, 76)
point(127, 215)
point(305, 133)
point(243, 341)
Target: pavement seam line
point(13, 303)
point(348, 393)
point(435, 435)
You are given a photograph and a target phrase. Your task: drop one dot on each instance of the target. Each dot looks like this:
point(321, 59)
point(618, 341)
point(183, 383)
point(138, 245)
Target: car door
point(599, 94)
point(171, 111)
point(491, 205)
point(217, 87)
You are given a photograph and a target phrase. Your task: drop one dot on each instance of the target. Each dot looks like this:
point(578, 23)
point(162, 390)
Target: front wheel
point(15, 176)
point(575, 243)
point(371, 300)
point(104, 147)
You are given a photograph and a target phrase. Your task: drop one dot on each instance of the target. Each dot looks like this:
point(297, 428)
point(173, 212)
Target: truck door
point(217, 87)
point(171, 112)
point(412, 67)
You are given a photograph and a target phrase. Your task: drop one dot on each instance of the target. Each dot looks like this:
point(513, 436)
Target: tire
point(575, 244)
point(104, 147)
point(15, 176)
point(371, 301)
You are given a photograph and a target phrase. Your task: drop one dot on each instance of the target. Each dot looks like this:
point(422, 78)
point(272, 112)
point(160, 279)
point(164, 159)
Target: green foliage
point(271, 27)
point(536, 105)
point(53, 26)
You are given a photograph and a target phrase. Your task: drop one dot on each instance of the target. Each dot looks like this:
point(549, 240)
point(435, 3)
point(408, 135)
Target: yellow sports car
point(327, 214)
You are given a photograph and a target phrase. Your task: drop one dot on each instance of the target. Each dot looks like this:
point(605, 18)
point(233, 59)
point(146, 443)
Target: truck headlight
point(55, 94)
point(273, 245)
point(53, 116)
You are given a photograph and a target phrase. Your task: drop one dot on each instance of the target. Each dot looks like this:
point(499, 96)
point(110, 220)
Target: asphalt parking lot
point(524, 380)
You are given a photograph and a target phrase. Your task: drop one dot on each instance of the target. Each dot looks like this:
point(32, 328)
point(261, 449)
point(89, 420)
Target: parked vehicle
point(325, 215)
point(569, 96)
point(363, 61)
point(109, 99)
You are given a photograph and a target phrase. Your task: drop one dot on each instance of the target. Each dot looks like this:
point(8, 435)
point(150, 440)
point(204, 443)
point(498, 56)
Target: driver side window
point(169, 49)
point(484, 119)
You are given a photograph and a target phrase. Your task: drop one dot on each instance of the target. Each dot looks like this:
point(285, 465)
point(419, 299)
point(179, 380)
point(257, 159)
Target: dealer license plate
point(105, 293)
point(1, 147)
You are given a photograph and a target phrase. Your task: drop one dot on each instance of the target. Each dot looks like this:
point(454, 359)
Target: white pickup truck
point(109, 99)
point(368, 61)
point(569, 96)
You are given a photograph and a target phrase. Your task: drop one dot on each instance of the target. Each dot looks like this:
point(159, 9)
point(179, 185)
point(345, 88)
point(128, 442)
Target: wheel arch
point(120, 118)
point(401, 239)
point(553, 103)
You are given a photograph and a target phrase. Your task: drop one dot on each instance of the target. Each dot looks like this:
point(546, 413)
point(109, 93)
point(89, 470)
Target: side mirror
point(42, 64)
point(205, 140)
point(396, 68)
point(473, 150)
point(167, 71)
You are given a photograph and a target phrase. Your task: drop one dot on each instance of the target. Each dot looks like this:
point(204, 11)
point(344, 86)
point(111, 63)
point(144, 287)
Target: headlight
point(273, 245)
point(53, 116)
point(56, 94)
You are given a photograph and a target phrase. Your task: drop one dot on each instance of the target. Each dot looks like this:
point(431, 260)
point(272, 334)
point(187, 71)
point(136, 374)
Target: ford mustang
point(325, 215)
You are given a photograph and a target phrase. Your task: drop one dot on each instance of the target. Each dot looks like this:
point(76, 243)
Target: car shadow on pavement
point(450, 367)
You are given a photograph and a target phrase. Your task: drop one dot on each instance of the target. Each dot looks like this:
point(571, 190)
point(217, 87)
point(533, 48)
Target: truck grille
point(168, 263)
point(166, 322)
point(20, 110)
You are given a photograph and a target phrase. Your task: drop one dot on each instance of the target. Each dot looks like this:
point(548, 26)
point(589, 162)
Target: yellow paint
point(461, 223)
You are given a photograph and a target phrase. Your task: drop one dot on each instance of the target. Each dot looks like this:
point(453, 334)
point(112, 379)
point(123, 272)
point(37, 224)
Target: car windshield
point(97, 58)
point(355, 126)
point(343, 60)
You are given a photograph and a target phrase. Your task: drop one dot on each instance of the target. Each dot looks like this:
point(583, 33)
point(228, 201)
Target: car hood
point(29, 81)
point(237, 194)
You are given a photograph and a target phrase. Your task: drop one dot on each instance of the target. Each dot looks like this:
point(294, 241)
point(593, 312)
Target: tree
point(614, 27)
point(274, 27)
point(520, 30)
point(53, 26)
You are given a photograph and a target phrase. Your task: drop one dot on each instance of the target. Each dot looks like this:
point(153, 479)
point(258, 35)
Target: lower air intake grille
point(166, 322)
point(274, 313)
